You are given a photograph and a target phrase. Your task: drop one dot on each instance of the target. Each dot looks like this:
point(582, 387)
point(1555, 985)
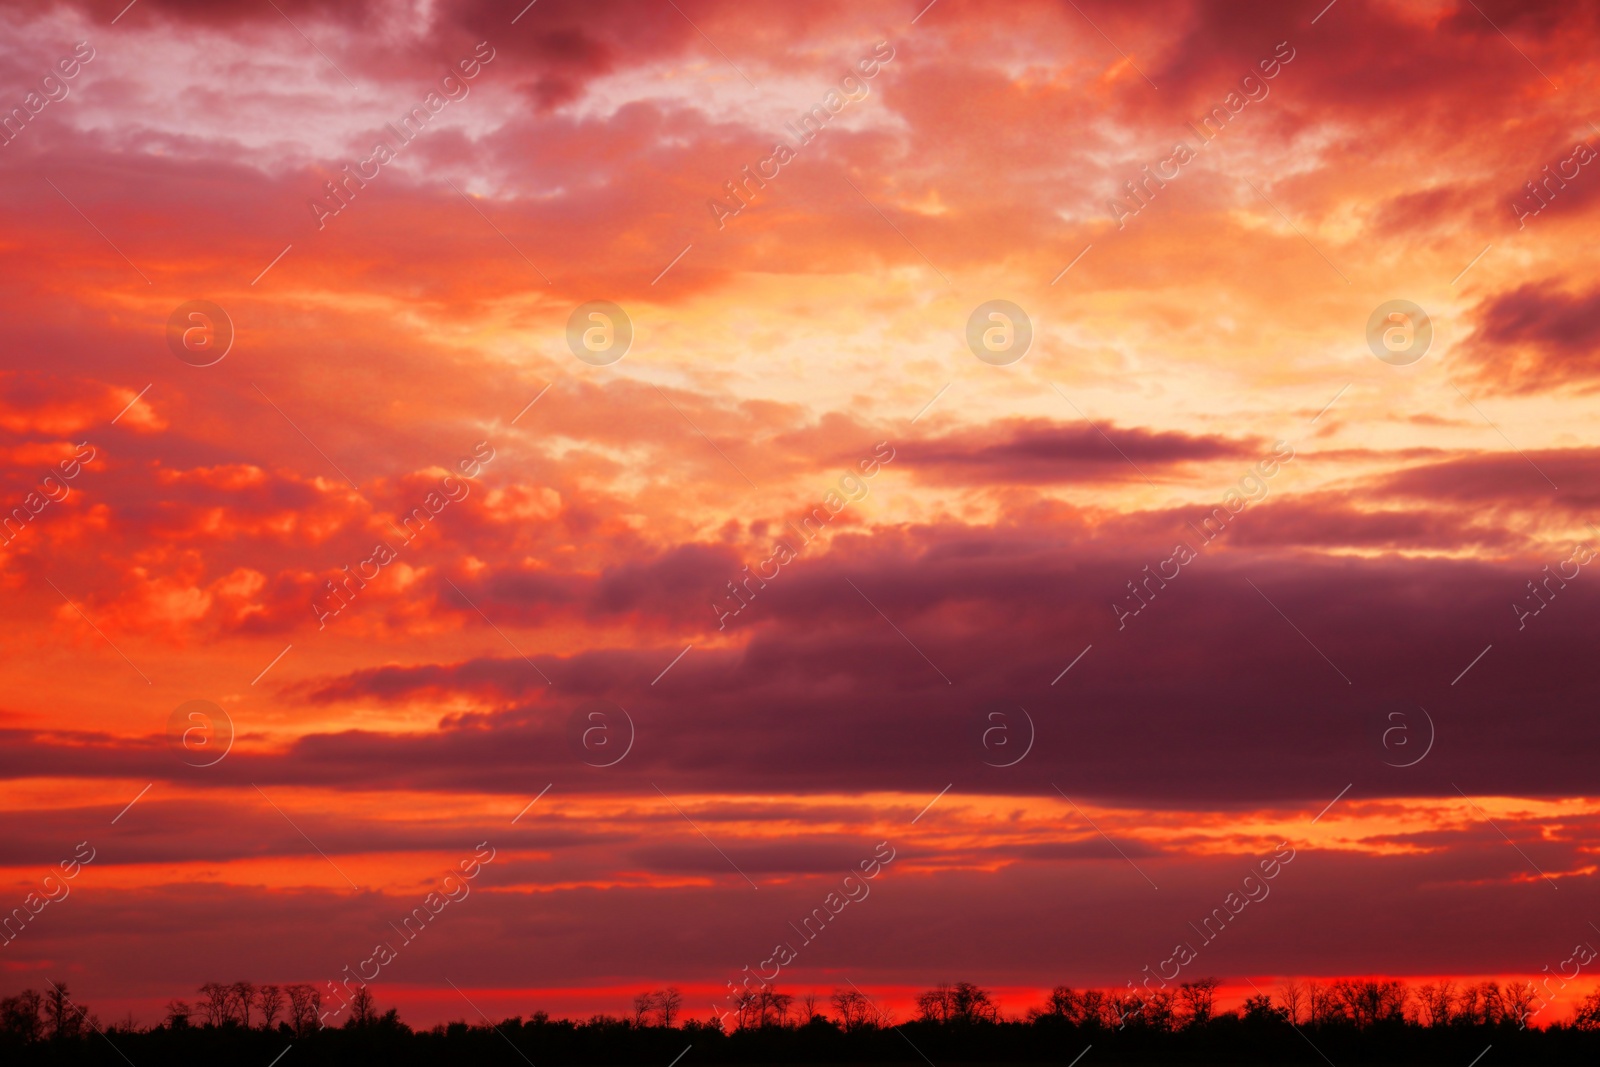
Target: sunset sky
point(1337, 659)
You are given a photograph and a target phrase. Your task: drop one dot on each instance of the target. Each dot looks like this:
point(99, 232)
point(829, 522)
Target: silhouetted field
point(551, 1044)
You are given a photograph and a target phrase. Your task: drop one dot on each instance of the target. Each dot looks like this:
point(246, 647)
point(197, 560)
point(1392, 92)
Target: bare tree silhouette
point(363, 1009)
point(23, 1015)
point(304, 1005)
point(852, 1010)
point(64, 1018)
point(269, 998)
point(215, 1004)
point(668, 1001)
point(962, 1002)
point(1197, 999)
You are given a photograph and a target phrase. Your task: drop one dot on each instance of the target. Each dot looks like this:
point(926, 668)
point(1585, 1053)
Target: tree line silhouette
point(1369, 1020)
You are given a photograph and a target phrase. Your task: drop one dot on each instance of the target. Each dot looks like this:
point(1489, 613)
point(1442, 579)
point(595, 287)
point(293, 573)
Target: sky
point(1079, 450)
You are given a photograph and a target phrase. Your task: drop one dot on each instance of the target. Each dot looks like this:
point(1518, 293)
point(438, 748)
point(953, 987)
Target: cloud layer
point(1133, 608)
